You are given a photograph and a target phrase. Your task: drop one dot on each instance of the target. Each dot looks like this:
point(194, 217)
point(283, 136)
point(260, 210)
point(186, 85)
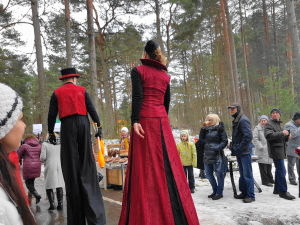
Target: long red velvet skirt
point(156, 190)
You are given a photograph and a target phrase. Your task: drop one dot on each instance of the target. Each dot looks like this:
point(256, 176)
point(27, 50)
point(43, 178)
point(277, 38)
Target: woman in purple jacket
point(30, 152)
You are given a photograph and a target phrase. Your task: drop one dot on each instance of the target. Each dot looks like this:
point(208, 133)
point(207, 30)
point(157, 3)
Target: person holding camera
point(277, 137)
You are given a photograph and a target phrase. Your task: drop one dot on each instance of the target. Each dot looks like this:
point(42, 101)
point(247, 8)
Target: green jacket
point(187, 153)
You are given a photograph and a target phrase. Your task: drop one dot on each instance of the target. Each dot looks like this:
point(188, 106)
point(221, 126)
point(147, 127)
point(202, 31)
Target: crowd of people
point(156, 190)
point(269, 141)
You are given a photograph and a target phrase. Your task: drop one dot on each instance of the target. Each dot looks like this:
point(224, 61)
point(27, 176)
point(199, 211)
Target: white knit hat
point(11, 106)
point(124, 129)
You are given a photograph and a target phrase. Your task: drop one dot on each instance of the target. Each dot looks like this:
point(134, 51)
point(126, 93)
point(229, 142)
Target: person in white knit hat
point(124, 141)
point(13, 207)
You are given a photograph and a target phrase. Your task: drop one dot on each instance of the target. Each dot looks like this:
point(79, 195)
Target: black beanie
point(150, 48)
point(275, 110)
point(296, 116)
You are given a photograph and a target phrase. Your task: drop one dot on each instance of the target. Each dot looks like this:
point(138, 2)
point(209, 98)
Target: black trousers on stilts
point(84, 199)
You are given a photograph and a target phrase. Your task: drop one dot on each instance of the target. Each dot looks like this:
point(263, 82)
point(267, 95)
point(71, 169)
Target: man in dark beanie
point(277, 137)
point(241, 147)
point(294, 127)
point(73, 104)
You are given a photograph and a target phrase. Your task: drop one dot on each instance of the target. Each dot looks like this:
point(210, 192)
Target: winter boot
point(59, 195)
point(240, 196)
point(216, 197)
point(50, 196)
point(286, 195)
point(202, 174)
point(37, 196)
point(248, 200)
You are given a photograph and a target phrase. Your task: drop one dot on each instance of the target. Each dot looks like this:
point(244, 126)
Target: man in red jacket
point(72, 103)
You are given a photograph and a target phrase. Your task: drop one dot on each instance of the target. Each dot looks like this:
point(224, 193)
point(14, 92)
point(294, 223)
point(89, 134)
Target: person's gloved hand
point(52, 139)
point(99, 133)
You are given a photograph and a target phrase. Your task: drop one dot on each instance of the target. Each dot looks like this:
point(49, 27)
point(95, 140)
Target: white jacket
point(8, 212)
point(50, 155)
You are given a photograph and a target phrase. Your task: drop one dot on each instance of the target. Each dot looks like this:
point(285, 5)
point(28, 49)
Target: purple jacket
point(30, 152)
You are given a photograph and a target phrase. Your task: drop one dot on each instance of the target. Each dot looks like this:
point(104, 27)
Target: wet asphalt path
point(112, 202)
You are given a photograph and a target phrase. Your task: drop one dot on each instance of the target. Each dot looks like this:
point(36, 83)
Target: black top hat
point(68, 72)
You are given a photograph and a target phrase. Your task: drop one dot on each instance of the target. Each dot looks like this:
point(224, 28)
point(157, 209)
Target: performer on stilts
point(156, 190)
point(73, 103)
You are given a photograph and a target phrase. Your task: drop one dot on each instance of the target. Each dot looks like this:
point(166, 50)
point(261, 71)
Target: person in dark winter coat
point(73, 104)
point(277, 138)
point(292, 158)
point(261, 150)
point(200, 155)
point(241, 147)
point(29, 153)
point(50, 156)
point(214, 139)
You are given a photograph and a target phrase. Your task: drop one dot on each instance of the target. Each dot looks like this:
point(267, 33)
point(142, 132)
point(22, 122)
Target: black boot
point(59, 195)
point(37, 196)
point(50, 196)
point(202, 174)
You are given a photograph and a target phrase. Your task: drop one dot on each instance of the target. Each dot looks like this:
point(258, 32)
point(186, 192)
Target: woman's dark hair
point(154, 52)
point(9, 184)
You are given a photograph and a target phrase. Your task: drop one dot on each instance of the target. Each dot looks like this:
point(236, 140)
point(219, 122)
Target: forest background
point(219, 52)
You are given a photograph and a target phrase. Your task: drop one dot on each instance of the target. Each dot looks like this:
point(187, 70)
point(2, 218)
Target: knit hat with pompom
point(11, 106)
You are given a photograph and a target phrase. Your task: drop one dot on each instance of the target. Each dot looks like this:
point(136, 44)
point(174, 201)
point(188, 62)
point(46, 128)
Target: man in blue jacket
point(241, 147)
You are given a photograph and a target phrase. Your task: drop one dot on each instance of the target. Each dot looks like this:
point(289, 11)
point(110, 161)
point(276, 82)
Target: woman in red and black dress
point(156, 191)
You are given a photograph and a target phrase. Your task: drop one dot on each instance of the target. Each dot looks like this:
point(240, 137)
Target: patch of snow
point(268, 209)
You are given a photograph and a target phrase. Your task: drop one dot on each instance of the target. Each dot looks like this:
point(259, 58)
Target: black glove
point(52, 139)
point(99, 133)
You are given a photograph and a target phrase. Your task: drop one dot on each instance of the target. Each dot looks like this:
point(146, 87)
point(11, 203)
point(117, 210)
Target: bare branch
point(12, 24)
point(3, 10)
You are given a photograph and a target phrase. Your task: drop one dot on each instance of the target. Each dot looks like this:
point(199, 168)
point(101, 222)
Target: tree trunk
point(68, 33)
point(233, 53)
point(92, 53)
point(289, 56)
point(230, 50)
point(293, 30)
point(158, 25)
point(266, 49)
point(275, 39)
point(110, 123)
point(248, 91)
point(40, 65)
